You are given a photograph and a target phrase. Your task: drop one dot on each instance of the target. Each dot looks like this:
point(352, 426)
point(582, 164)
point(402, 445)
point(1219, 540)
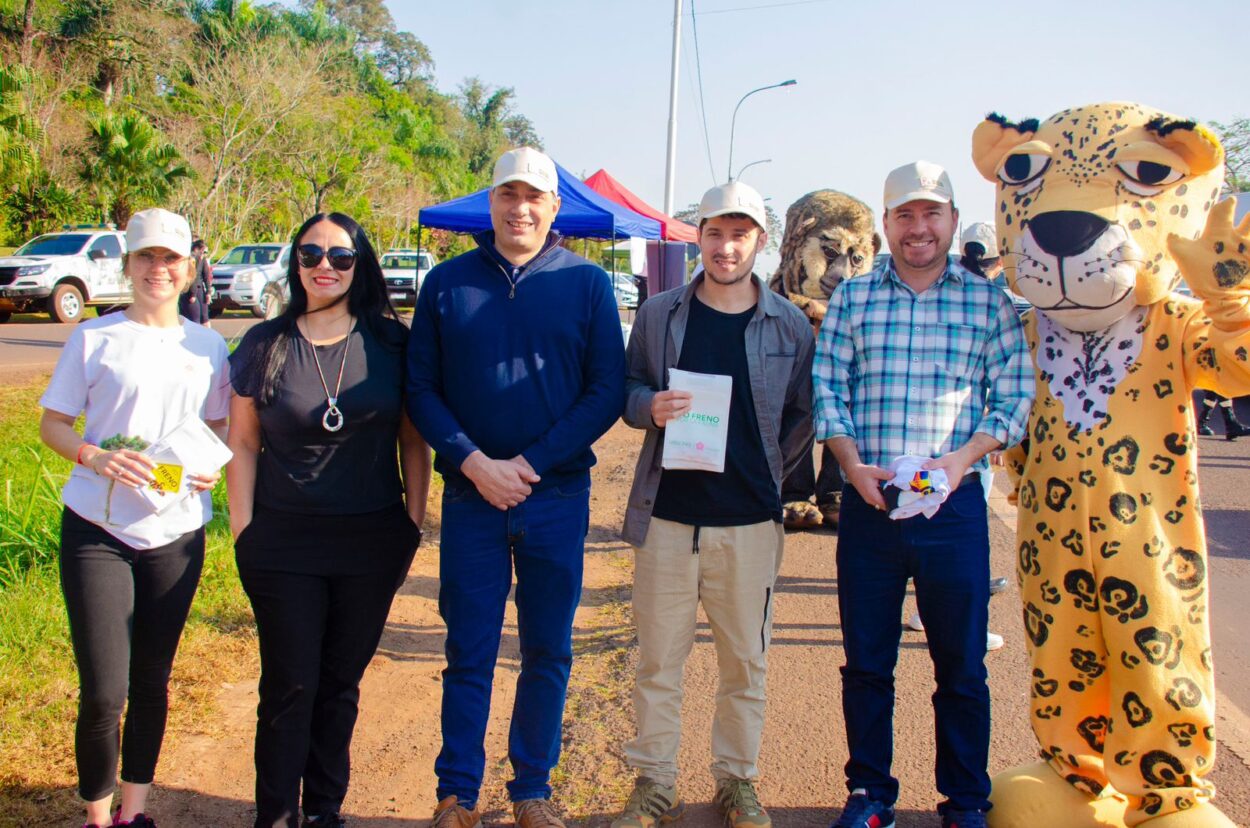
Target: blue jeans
point(948, 558)
point(543, 539)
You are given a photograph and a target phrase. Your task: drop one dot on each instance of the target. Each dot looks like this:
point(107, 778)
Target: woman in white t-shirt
point(129, 573)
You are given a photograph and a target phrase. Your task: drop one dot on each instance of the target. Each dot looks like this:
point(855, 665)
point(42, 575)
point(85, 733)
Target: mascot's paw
point(829, 512)
point(1216, 266)
point(800, 514)
point(1034, 795)
point(1204, 815)
point(814, 308)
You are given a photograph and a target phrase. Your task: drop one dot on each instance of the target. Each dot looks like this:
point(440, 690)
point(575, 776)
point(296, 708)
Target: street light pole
point(746, 167)
point(734, 123)
point(670, 167)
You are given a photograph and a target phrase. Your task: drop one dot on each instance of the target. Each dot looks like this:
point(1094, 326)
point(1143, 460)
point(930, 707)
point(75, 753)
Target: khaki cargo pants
point(732, 570)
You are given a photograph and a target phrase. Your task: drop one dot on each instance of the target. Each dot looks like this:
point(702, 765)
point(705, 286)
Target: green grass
point(38, 680)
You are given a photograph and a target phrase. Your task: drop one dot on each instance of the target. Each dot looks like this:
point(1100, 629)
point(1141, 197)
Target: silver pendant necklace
point(332, 420)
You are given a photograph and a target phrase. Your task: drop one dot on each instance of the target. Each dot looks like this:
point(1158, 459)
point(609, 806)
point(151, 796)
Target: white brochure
point(697, 439)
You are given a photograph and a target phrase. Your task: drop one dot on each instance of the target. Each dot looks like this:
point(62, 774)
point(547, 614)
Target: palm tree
point(19, 133)
point(129, 162)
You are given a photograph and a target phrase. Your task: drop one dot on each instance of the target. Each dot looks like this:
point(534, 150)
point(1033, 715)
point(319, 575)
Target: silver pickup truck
point(242, 276)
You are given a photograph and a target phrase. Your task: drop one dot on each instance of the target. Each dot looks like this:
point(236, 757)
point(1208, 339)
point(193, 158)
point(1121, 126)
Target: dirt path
point(206, 777)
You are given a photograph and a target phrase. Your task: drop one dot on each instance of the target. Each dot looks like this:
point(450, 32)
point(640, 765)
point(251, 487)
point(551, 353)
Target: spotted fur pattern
point(1111, 549)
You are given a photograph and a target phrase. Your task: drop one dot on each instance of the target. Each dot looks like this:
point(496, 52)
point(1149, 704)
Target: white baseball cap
point(155, 227)
point(529, 165)
point(734, 197)
point(919, 181)
point(982, 234)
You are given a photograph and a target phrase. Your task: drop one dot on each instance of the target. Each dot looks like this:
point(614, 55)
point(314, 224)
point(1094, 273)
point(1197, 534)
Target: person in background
point(193, 304)
point(129, 574)
point(515, 367)
point(979, 251)
point(1233, 428)
point(712, 538)
point(327, 495)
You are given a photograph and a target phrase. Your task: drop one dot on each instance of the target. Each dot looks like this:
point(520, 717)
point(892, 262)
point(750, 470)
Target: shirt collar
point(769, 303)
point(954, 272)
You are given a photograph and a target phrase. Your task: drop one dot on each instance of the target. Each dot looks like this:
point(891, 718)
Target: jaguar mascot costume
point(1101, 209)
point(829, 236)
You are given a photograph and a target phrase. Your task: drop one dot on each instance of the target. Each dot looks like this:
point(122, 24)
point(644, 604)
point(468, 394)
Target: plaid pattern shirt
point(908, 373)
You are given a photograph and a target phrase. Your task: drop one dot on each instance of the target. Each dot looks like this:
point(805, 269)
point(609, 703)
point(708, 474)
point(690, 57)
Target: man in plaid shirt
point(920, 357)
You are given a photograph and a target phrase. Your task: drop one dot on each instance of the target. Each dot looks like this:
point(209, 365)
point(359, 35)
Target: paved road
point(30, 344)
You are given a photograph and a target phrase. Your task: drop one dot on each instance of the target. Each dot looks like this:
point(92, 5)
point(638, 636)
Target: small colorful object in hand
point(921, 483)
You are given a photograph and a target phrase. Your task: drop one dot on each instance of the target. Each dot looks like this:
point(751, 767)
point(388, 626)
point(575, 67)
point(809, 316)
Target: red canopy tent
point(670, 228)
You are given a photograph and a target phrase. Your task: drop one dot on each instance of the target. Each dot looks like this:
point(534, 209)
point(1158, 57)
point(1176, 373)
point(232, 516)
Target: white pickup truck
point(404, 270)
point(65, 273)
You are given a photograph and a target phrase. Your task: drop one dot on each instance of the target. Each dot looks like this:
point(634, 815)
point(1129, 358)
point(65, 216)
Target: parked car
point(625, 289)
point(65, 273)
point(249, 277)
point(404, 270)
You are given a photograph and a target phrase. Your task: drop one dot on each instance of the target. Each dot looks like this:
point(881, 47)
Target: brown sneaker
point(451, 814)
point(535, 813)
point(741, 806)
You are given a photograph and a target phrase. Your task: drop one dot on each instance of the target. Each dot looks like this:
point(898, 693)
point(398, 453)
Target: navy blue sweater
point(511, 360)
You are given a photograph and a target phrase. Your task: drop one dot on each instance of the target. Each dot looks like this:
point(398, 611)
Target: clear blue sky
point(880, 83)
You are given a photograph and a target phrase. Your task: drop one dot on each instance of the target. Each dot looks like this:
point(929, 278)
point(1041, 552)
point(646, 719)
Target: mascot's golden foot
point(800, 514)
point(1031, 796)
point(1204, 815)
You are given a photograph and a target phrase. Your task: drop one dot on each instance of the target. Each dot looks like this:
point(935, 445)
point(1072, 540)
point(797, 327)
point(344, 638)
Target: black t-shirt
point(304, 469)
point(715, 343)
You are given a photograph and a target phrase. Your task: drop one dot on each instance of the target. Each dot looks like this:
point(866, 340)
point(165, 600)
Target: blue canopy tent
point(583, 214)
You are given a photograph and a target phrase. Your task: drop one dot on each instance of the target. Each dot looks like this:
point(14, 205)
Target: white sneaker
point(993, 641)
point(914, 622)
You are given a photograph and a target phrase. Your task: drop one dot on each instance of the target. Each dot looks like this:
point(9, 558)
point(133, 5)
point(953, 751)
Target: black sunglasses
point(310, 255)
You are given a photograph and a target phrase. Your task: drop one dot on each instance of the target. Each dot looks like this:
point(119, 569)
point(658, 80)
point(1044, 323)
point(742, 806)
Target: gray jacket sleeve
point(797, 431)
point(640, 383)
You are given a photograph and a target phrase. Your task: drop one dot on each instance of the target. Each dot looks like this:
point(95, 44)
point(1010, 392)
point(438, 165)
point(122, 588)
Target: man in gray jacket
point(712, 537)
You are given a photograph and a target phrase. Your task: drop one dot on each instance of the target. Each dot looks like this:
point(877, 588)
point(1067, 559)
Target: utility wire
point(698, 65)
point(762, 6)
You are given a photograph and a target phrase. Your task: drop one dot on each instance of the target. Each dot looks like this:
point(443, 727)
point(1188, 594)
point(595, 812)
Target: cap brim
point(535, 181)
point(918, 195)
point(725, 211)
point(180, 246)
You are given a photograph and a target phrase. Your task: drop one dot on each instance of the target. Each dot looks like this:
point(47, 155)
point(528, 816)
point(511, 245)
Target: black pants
point(318, 631)
point(803, 482)
point(126, 608)
point(194, 303)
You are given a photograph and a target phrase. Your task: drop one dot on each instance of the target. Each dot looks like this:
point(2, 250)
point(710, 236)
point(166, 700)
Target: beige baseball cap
point(155, 227)
point(984, 235)
point(734, 197)
point(529, 165)
point(918, 181)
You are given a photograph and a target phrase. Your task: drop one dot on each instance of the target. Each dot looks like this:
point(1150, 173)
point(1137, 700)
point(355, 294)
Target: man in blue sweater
point(515, 367)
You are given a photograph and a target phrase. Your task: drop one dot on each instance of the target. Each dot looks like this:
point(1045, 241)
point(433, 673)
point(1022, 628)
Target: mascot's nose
point(1066, 232)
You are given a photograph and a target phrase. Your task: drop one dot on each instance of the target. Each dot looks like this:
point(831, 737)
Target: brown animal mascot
point(829, 237)
point(1101, 210)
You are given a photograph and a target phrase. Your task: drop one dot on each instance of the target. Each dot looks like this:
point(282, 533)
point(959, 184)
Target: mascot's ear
point(994, 138)
point(1193, 142)
point(876, 243)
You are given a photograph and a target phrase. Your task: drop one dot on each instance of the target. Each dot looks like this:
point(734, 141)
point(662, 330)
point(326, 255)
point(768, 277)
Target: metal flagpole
point(670, 170)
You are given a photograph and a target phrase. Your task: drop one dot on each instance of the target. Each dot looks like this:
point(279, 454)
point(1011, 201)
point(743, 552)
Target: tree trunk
point(28, 31)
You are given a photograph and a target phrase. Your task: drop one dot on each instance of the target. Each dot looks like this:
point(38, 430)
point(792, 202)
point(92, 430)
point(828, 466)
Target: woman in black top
point(326, 521)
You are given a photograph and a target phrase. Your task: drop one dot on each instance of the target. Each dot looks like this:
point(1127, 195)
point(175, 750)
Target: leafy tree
point(19, 134)
point(40, 204)
point(129, 162)
point(1236, 139)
